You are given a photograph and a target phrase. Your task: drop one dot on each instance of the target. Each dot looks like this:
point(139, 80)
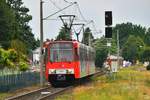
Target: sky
point(135, 11)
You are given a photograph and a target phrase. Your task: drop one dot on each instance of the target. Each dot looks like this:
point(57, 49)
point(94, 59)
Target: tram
point(67, 61)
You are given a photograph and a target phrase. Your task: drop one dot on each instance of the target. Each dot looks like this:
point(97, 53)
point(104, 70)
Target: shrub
point(9, 58)
point(23, 58)
point(1, 59)
point(10, 64)
point(12, 55)
point(23, 66)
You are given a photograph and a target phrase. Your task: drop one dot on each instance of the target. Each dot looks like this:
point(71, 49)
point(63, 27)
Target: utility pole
point(41, 42)
point(118, 49)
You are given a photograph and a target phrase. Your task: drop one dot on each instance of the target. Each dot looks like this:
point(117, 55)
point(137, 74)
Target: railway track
point(55, 93)
point(47, 93)
point(40, 94)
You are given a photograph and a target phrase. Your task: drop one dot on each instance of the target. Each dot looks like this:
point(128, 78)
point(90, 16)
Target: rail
point(49, 93)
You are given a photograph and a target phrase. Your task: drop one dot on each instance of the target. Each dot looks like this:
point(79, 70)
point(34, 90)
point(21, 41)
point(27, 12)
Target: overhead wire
point(93, 24)
point(55, 4)
point(67, 1)
point(59, 10)
point(87, 22)
point(67, 7)
point(79, 10)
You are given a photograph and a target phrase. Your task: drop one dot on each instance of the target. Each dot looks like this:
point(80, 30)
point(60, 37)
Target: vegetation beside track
point(4, 95)
point(128, 84)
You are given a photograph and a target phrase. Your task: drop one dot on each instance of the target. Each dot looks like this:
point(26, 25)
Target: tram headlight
point(70, 71)
point(52, 71)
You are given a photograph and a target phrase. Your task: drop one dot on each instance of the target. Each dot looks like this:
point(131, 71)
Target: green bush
point(1, 59)
point(10, 64)
point(23, 66)
point(9, 58)
point(23, 58)
point(12, 55)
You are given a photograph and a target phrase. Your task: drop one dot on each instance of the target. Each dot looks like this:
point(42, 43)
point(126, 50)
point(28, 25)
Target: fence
point(14, 81)
point(6, 71)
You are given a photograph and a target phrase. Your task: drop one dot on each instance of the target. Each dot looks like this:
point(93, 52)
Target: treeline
point(15, 34)
point(134, 43)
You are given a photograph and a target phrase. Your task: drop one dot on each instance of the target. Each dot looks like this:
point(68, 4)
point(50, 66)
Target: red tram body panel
point(68, 60)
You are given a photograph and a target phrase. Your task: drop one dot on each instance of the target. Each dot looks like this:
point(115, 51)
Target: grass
point(127, 84)
point(4, 95)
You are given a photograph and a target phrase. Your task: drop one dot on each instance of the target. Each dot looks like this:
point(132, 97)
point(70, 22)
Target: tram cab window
point(61, 52)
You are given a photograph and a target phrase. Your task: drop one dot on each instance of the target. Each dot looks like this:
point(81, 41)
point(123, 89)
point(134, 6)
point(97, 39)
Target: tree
point(101, 55)
point(7, 23)
point(64, 34)
point(113, 48)
point(23, 30)
point(133, 48)
point(87, 36)
point(146, 54)
point(147, 37)
point(127, 29)
point(20, 47)
point(101, 51)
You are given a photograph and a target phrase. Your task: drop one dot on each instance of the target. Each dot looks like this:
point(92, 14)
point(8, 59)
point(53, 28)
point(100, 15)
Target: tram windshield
point(61, 52)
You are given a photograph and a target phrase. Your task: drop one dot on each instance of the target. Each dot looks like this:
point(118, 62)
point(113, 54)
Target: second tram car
point(66, 61)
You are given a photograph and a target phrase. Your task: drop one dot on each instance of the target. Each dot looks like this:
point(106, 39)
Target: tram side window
point(81, 51)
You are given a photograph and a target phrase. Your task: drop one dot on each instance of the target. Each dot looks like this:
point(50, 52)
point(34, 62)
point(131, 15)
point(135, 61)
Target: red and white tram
point(66, 61)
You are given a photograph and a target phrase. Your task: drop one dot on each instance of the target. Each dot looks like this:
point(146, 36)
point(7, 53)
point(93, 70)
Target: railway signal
point(108, 23)
point(108, 32)
point(108, 18)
